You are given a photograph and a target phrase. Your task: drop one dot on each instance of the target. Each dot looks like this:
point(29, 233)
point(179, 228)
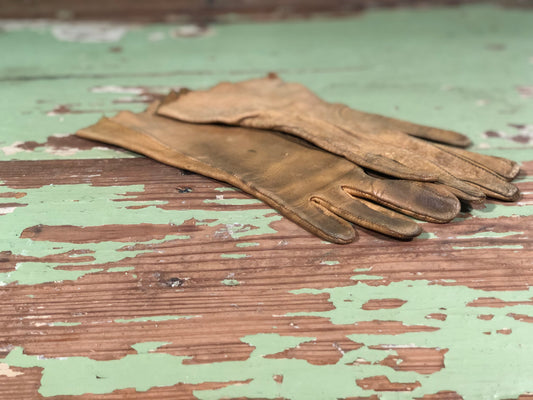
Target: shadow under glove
point(390, 146)
point(316, 189)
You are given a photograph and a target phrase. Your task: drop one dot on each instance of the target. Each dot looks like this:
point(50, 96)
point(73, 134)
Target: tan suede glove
point(318, 190)
point(393, 147)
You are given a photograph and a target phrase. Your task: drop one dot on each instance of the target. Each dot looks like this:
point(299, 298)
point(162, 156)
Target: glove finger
point(355, 120)
point(455, 169)
point(389, 152)
point(484, 178)
point(389, 166)
point(430, 133)
point(507, 169)
point(424, 201)
point(381, 157)
point(324, 223)
point(274, 87)
point(367, 215)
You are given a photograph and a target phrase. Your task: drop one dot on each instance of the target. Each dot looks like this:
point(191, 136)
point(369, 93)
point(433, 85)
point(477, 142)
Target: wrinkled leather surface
point(386, 145)
point(318, 190)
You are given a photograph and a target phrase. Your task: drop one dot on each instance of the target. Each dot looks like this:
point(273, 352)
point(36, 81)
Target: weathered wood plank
point(202, 294)
point(201, 12)
point(124, 278)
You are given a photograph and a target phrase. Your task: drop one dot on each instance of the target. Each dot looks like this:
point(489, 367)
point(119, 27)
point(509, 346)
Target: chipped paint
point(60, 323)
point(130, 371)
point(148, 347)
point(525, 91)
point(6, 371)
point(521, 134)
point(137, 94)
point(482, 338)
point(230, 282)
point(329, 262)
point(31, 273)
point(7, 210)
point(247, 244)
point(503, 210)
point(512, 376)
point(233, 255)
point(488, 234)
point(227, 189)
point(427, 235)
point(237, 230)
point(80, 206)
point(94, 32)
point(365, 277)
point(13, 148)
point(509, 350)
point(116, 89)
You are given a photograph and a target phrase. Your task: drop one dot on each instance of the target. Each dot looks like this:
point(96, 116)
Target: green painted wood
point(212, 292)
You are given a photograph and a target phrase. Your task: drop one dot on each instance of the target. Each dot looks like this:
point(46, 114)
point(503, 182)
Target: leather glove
point(318, 190)
point(393, 147)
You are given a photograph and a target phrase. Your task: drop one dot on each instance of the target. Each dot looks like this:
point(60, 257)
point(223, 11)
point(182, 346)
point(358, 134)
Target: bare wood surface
point(204, 11)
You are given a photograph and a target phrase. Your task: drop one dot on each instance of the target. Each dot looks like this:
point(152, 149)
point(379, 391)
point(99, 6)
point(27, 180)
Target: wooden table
point(124, 278)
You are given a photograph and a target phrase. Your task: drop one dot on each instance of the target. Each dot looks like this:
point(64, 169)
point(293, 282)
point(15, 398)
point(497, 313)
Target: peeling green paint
point(182, 237)
point(81, 205)
point(489, 234)
point(59, 323)
point(272, 343)
point(258, 223)
point(427, 235)
point(329, 262)
point(524, 178)
point(501, 363)
point(360, 274)
point(227, 189)
point(364, 277)
point(233, 255)
point(31, 273)
point(247, 244)
point(230, 282)
point(495, 363)
point(147, 347)
point(79, 375)
point(503, 210)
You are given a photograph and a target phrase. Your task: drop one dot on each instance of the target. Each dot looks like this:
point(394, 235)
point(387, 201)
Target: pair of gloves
point(322, 165)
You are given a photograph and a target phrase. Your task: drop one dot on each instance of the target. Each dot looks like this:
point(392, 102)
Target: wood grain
point(124, 278)
point(183, 278)
point(196, 11)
